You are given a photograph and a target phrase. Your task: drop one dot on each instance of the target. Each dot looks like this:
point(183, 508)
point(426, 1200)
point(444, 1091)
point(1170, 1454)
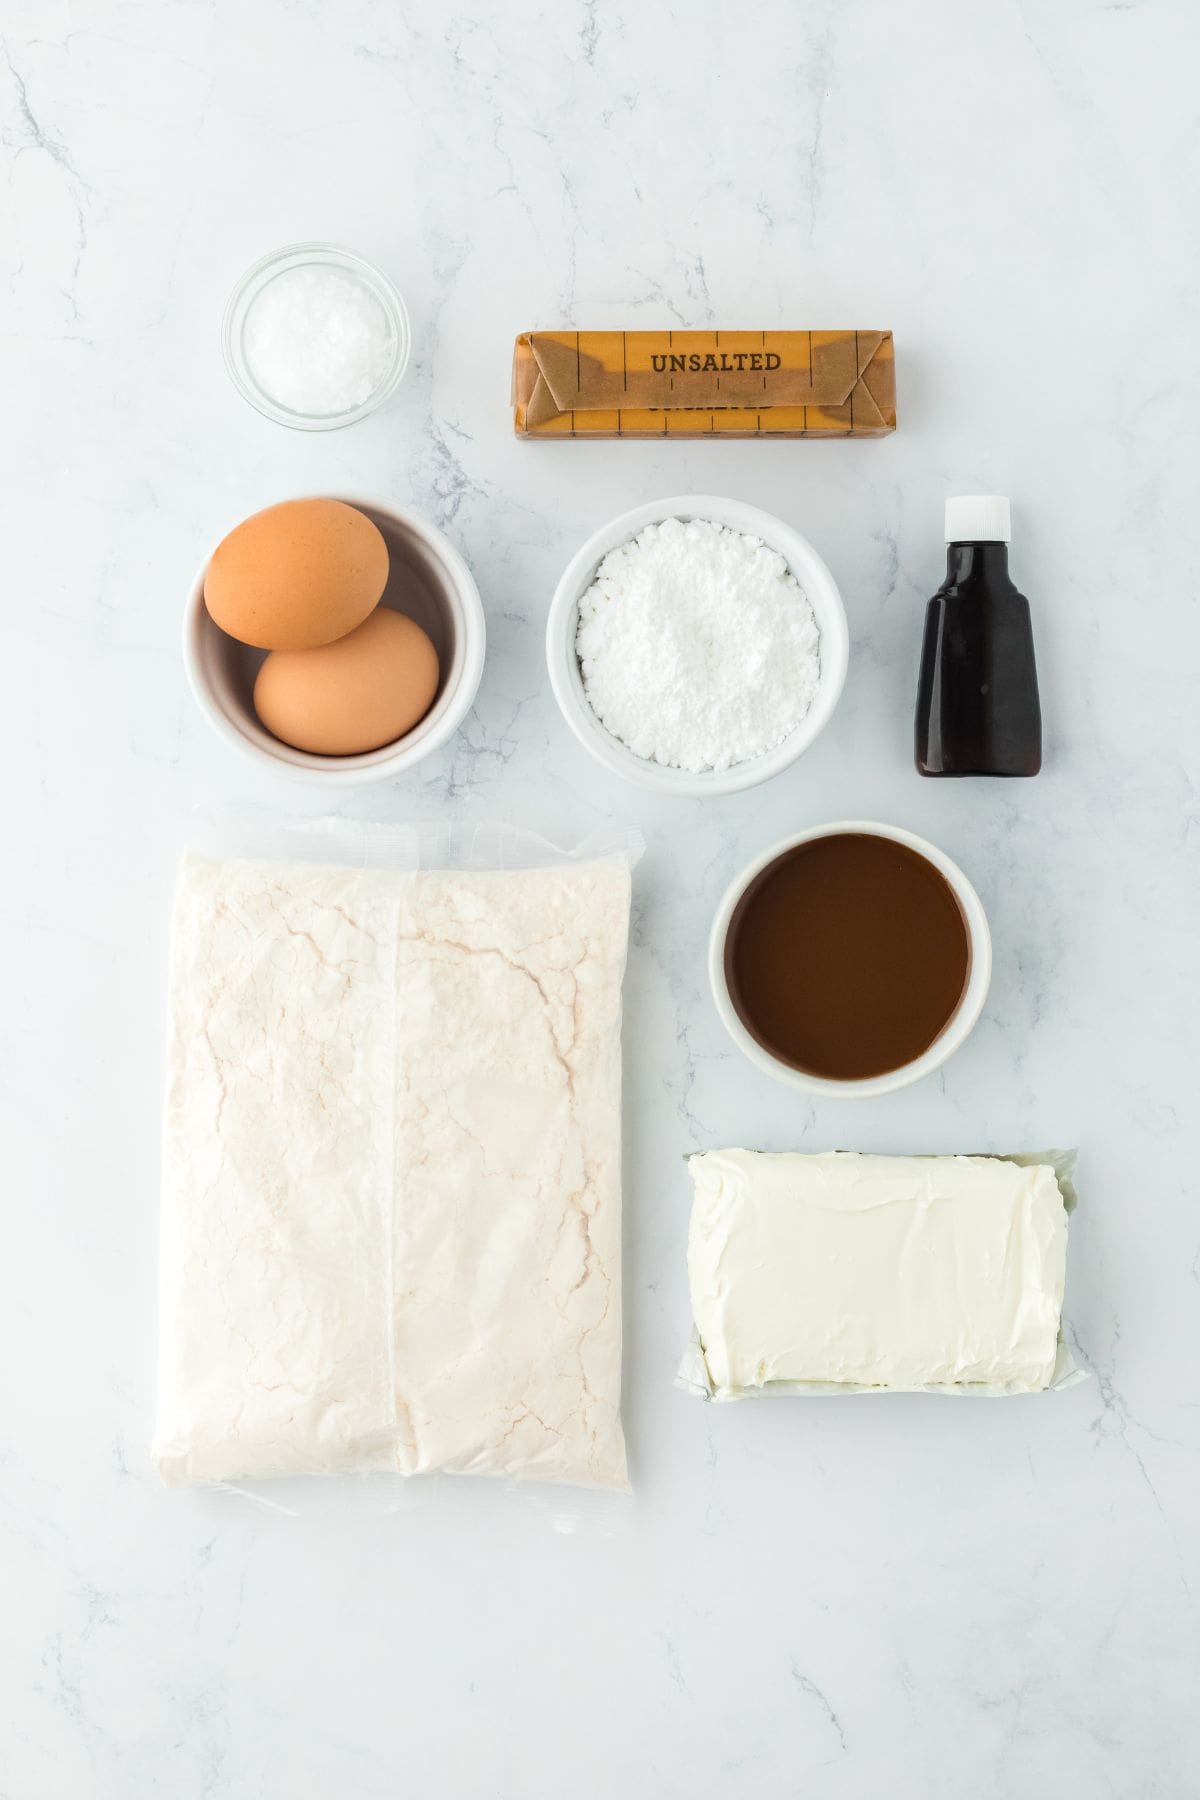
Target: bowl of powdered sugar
point(697, 645)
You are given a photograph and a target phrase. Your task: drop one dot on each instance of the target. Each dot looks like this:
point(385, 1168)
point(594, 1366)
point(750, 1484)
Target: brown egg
point(297, 575)
point(362, 692)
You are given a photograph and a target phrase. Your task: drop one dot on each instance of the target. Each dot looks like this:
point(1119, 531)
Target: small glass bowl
point(297, 256)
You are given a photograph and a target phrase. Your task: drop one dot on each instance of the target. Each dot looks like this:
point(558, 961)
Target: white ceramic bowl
point(566, 677)
point(956, 1029)
point(428, 580)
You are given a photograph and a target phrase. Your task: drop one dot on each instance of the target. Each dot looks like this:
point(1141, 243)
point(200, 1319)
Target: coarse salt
point(698, 646)
point(317, 341)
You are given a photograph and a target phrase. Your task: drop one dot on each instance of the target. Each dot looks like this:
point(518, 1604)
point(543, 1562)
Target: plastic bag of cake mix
point(391, 1207)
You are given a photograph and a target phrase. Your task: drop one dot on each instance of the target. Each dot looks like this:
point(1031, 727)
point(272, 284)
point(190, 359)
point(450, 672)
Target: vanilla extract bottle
point(978, 711)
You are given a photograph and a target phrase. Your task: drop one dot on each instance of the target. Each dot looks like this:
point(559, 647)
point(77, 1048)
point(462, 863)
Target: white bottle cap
point(978, 519)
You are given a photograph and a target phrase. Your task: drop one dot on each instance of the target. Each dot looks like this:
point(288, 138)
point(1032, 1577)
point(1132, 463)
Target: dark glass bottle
point(977, 699)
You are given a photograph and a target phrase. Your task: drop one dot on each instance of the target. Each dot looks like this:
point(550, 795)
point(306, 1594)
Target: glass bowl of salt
point(315, 337)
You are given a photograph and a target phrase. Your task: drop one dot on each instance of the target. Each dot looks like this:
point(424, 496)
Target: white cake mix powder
point(698, 646)
point(392, 1209)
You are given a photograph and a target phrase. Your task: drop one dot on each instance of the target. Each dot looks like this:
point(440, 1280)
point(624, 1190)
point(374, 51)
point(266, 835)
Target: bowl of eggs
point(338, 638)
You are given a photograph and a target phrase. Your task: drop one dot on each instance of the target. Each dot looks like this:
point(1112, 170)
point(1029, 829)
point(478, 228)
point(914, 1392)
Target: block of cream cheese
point(841, 1271)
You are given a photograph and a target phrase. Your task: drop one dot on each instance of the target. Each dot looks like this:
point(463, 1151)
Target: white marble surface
point(906, 1598)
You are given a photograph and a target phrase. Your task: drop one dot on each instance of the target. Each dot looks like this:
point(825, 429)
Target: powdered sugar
point(698, 646)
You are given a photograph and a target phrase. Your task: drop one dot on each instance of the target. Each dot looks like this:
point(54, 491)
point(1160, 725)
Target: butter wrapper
point(704, 384)
point(694, 1378)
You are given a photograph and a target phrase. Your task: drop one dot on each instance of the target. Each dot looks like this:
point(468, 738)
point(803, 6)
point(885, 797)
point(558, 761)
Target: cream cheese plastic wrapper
point(391, 1215)
point(741, 1192)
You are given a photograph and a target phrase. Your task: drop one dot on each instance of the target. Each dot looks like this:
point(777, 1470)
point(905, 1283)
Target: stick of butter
point(843, 1272)
point(704, 384)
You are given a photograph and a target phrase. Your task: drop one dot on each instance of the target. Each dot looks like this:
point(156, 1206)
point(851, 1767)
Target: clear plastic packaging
point(391, 1232)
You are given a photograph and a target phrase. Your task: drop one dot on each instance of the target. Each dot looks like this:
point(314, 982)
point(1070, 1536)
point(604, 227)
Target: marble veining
point(904, 1598)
